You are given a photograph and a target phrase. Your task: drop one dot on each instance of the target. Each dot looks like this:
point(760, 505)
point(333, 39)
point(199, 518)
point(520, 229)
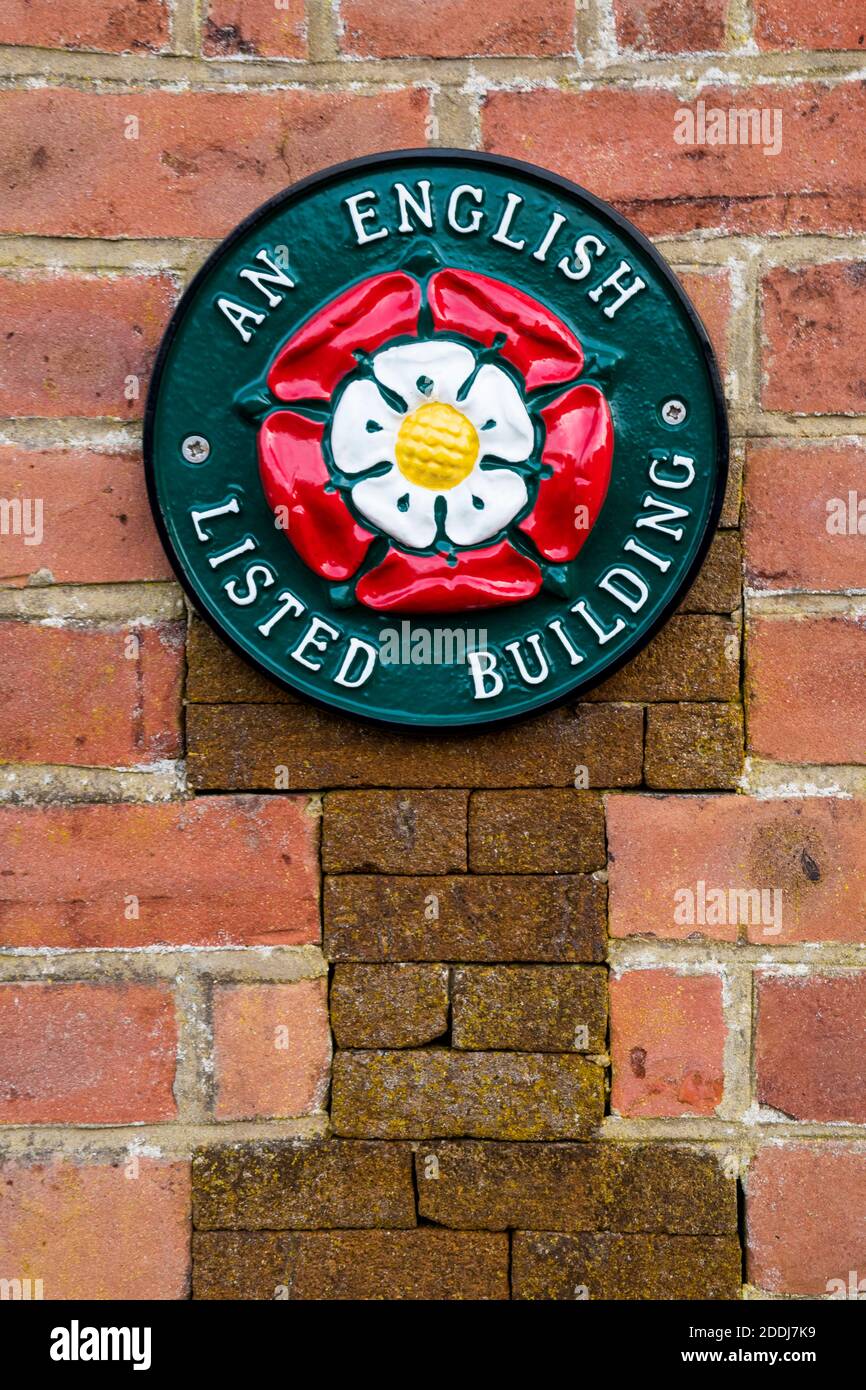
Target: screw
point(195, 448)
point(674, 412)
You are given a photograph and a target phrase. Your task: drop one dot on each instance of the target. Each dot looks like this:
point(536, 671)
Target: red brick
point(710, 292)
point(793, 495)
point(805, 1205)
point(671, 26)
point(96, 525)
point(812, 849)
point(785, 24)
point(201, 162)
point(621, 143)
point(456, 28)
point(795, 668)
point(811, 1038)
point(272, 1049)
point(70, 342)
point(97, 1230)
point(222, 870)
point(106, 25)
point(72, 695)
point(667, 1043)
point(255, 28)
point(86, 1053)
point(815, 335)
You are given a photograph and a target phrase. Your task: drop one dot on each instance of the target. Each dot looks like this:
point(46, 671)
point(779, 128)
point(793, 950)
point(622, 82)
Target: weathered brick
point(710, 293)
point(815, 338)
point(730, 515)
point(800, 1201)
point(529, 832)
point(485, 1095)
point(222, 870)
point(201, 162)
point(550, 1265)
point(86, 1053)
point(694, 657)
point(489, 917)
point(255, 29)
point(804, 530)
point(810, 185)
point(392, 832)
point(718, 587)
point(693, 746)
point(389, 1005)
point(216, 674)
point(77, 517)
point(326, 1265)
point(103, 1230)
point(243, 1265)
point(530, 1008)
point(682, 27)
point(99, 24)
point(242, 746)
point(326, 1183)
point(786, 24)
point(90, 696)
point(796, 667)
point(272, 1049)
point(655, 1187)
point(811, 849)
point(810, 1039)
point(456, 28)
point(76, 344)
point(667, 1043)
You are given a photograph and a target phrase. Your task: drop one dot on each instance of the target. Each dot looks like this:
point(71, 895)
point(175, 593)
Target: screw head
point(195, 448)
point(674, 411)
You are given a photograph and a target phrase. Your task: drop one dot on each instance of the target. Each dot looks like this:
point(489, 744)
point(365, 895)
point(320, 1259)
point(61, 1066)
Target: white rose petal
point(445, 364)
point(494, 406)
point(377, 498)
point(502, 493)
point(354, 445)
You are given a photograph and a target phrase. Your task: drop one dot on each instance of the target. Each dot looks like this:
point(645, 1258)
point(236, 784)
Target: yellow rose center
point(437, 446)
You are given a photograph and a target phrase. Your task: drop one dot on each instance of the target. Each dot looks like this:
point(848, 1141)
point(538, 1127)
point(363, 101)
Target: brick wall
point(427, 1020)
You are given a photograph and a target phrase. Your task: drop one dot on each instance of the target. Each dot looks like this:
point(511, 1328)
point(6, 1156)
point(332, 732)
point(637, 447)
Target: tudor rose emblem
point(436, 438)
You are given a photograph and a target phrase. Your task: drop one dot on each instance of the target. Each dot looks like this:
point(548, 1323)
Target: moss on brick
point(303, 1185)
point(551, 1265)
point(491, 917)
point(389, 1005)
point(530, 1008)
point(529, 832)
point(502, 1095)
point(393, 832)
point(694, 746)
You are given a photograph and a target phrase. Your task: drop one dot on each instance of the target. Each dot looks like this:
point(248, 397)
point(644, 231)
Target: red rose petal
point(322, 352)
point(537, 343)
point(579, 448)
point(293, 472)
point(428, 584)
